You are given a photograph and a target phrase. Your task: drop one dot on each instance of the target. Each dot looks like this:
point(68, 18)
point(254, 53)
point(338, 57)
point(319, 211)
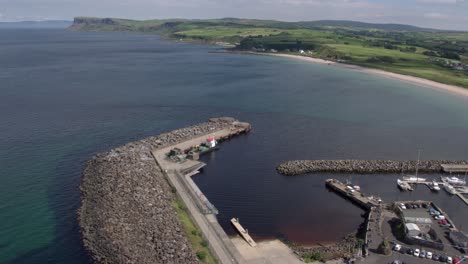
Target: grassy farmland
point(396, 48)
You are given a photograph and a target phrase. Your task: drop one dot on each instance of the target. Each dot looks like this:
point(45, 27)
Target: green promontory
point(437, 55)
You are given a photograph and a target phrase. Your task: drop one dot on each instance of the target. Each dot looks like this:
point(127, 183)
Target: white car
point(416, 252)
point(397, 247)
point(422, 254)
point(429, 255)
point(439, 217)
point(449, 260)
point(402, 206)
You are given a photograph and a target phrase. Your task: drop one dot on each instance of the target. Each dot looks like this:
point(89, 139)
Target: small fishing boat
point(453, 181)
point(449, 188)
point(413, 179)
point(434, 186)
point(403, 185)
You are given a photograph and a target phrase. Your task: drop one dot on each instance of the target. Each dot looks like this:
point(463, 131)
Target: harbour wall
point(126, 213)
point(298, 167)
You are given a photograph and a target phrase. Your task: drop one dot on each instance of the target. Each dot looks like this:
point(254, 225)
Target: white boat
point(413, 179)
point(435, 186)
point(453, 180)
point(404, 185)
point(449, 188)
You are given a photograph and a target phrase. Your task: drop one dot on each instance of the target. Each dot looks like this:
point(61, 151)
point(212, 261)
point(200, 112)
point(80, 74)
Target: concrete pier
point(243, 232)
point(127, 212)
point(201, 210)
point(454, 168)
point(367, 202)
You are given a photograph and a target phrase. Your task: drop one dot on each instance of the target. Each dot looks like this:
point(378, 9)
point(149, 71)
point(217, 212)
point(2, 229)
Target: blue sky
point(447, 14)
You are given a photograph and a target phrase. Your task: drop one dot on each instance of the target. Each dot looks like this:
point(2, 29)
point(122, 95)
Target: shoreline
point(452, 89)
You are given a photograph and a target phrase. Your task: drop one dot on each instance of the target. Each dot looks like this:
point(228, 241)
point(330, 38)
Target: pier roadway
point(219, 242)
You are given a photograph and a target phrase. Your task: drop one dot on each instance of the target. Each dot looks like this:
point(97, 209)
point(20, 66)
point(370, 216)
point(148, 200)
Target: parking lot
point(407, 255)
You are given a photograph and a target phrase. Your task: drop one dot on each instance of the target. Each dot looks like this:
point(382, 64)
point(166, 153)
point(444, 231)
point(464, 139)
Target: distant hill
point(37, 24)
point(89, 23)
point(403, 49)
point(364, 25)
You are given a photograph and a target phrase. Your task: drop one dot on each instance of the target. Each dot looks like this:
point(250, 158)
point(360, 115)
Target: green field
point(395, 48)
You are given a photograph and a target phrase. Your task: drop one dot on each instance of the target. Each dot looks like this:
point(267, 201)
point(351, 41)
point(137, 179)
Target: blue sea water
point(65, 96)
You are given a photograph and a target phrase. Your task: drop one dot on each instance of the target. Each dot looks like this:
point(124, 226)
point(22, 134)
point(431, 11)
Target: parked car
point(449, 260)
point(402, 206)
point(456, 260)
point(410, 251)
point(397, 247)
point(443, 259)
point(422, 254)
point(424, 205)
point(439, 217)
point(435, 257)
point(416, 252)
point(434, 212)
point(429, 255)
point(443, 222)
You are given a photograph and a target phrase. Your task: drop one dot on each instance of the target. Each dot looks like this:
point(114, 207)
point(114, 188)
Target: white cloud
point(440, 1)
point(435, 15)
point(333, 3)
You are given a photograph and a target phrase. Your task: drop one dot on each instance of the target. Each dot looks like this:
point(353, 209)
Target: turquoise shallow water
point(65, 96)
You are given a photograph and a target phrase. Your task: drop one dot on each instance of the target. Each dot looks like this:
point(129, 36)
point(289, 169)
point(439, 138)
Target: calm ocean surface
point(66, 96)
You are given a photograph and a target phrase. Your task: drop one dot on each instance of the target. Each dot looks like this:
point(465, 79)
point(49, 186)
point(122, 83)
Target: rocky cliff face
point(126, 214)
point(98, 24)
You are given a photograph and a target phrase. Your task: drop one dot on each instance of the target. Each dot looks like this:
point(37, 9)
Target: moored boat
point(403, 185)
point(413, 179)
point(449, 188)
point(453, 180)
point(434, 186)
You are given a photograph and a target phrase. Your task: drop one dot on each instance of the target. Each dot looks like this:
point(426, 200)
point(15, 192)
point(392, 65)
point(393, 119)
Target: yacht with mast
point(415, 178)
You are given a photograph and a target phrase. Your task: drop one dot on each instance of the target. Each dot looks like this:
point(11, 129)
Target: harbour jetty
point(354, 194)
point(298, 167)
point(126, 213)
point(243, 232)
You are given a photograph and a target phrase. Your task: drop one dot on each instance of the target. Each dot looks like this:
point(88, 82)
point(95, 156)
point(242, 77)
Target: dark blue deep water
point(66, 96)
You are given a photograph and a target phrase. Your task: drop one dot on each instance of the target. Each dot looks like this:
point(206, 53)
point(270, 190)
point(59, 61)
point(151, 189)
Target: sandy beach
point(457, 90)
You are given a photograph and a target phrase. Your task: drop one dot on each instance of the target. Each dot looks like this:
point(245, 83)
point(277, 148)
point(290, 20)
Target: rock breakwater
point(298, 167)
point(126, 213)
